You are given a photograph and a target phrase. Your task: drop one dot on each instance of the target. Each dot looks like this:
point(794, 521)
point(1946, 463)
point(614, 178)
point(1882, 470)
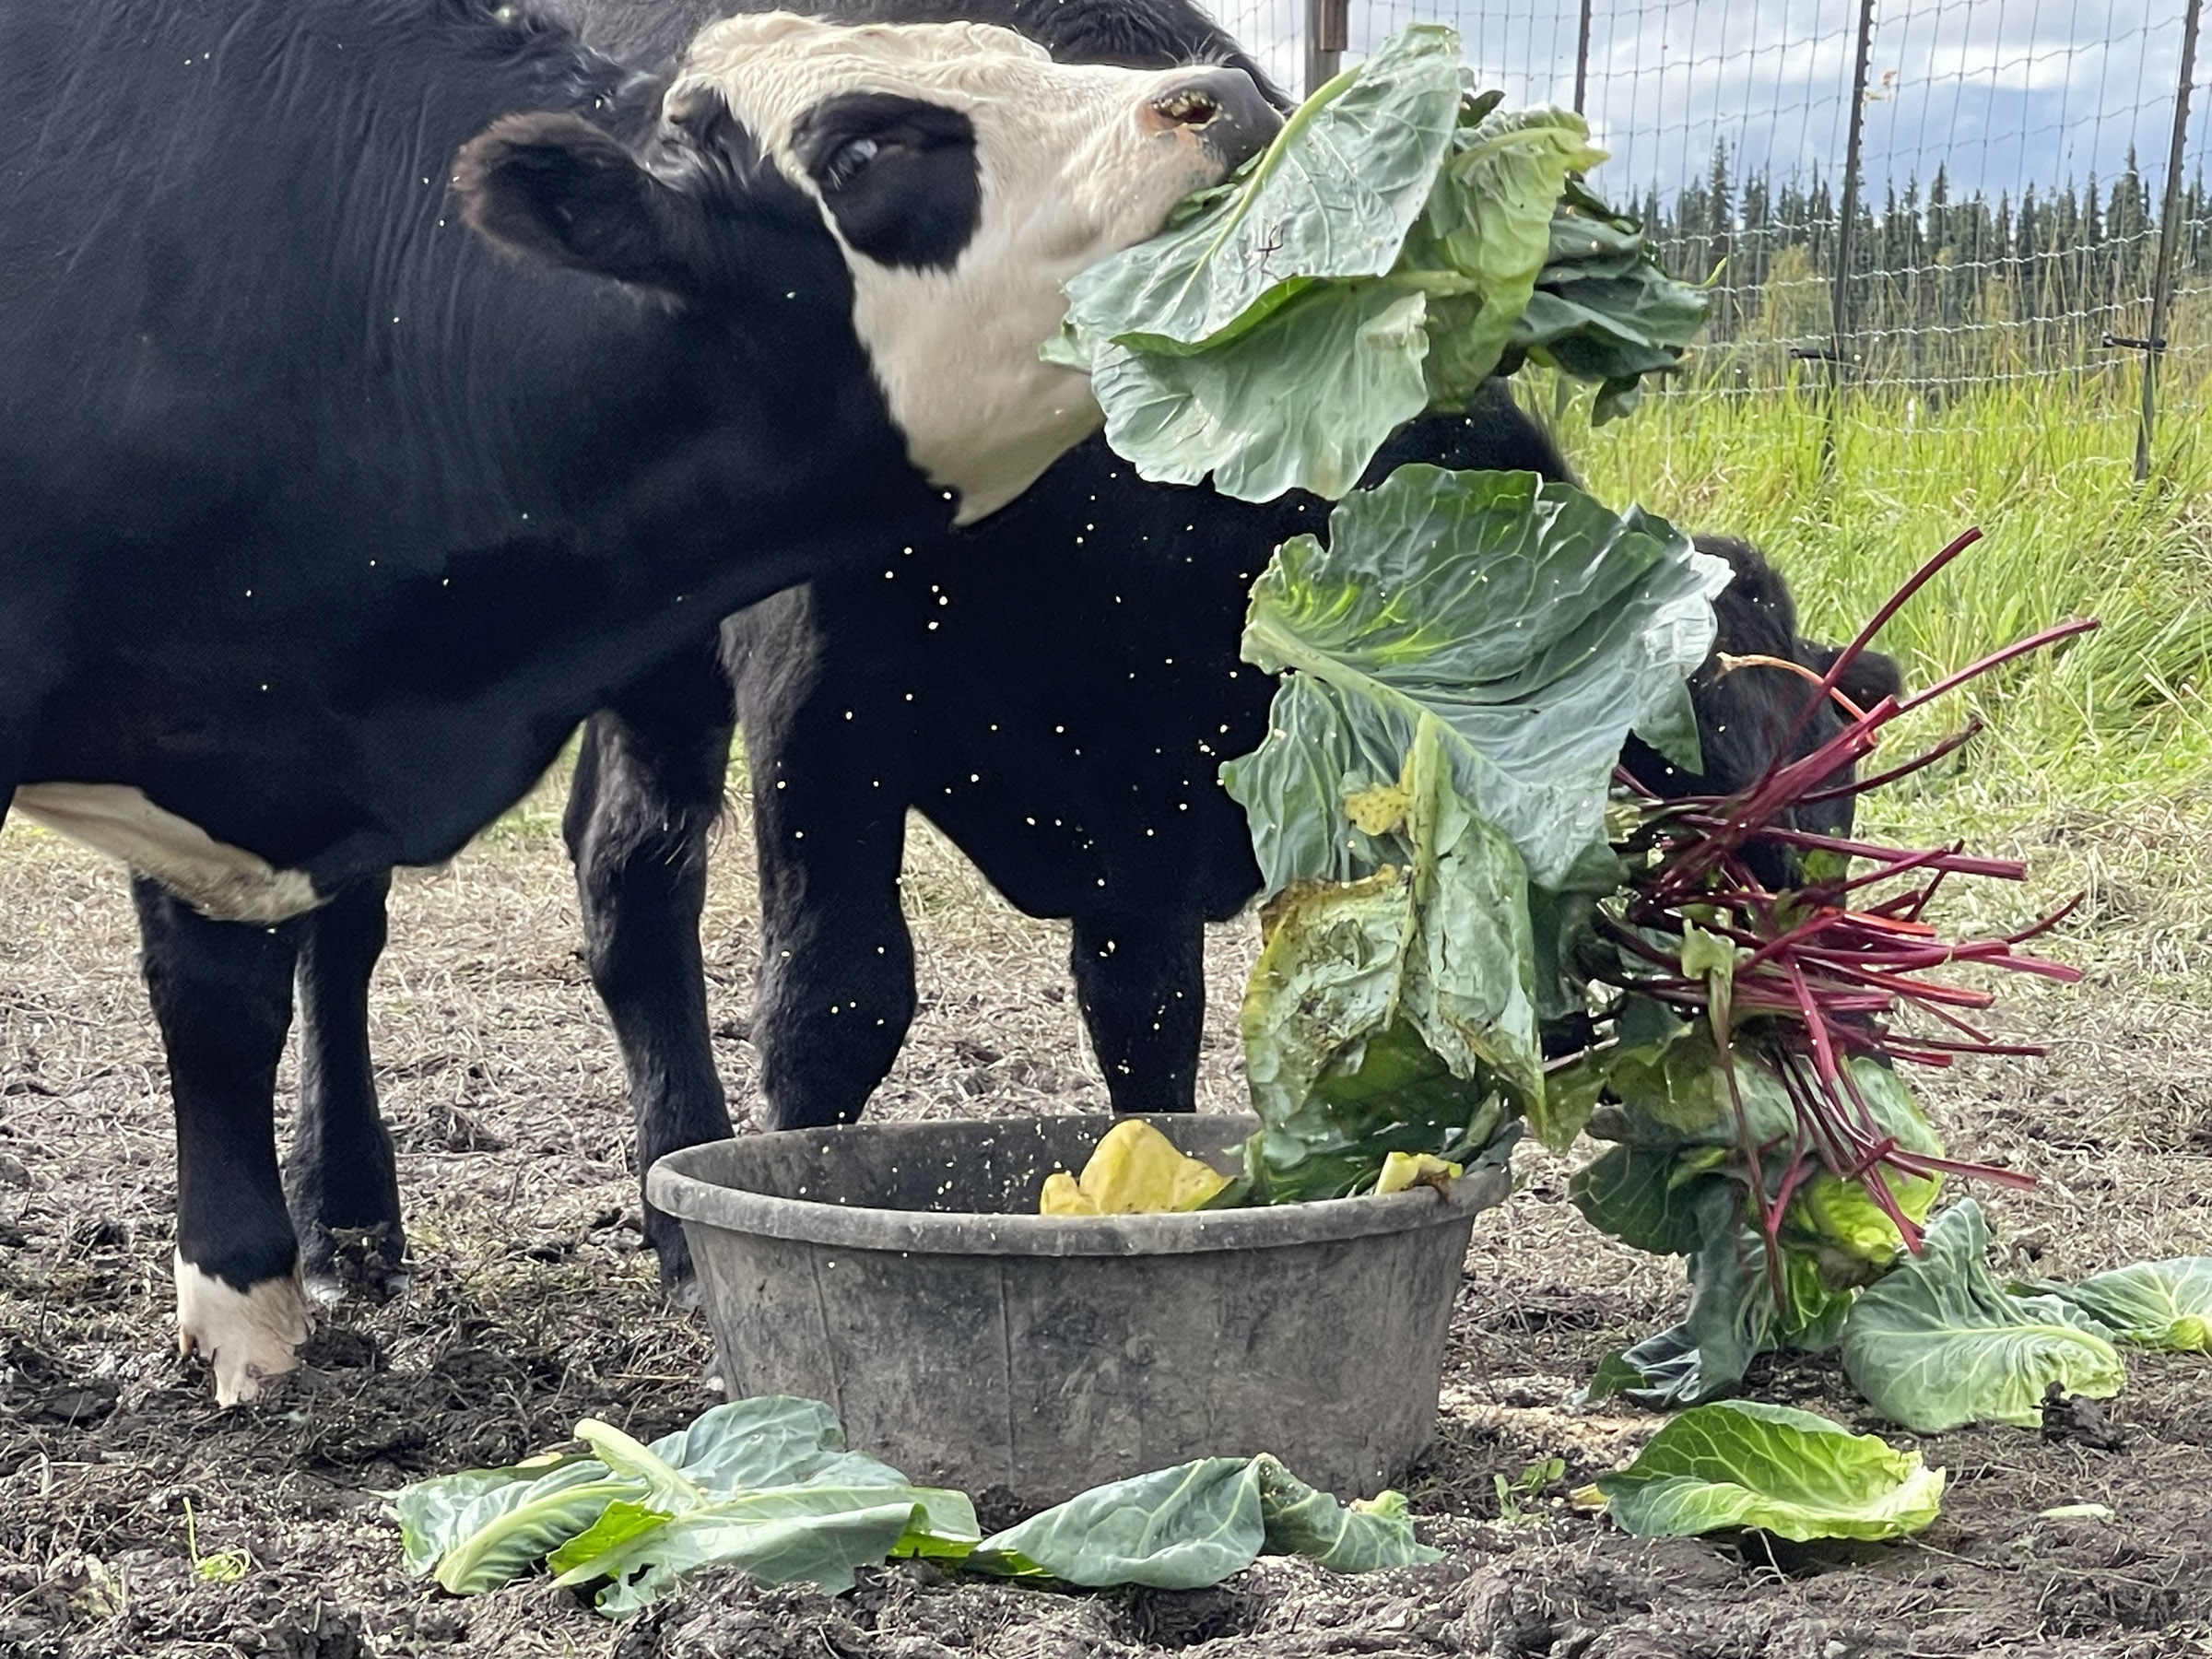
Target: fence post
point(1838, 345)
point(2162, 289)
point(1582, 61)
point(1328, 32)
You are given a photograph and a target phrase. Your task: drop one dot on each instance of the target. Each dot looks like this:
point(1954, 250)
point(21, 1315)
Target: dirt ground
point(533, 1304)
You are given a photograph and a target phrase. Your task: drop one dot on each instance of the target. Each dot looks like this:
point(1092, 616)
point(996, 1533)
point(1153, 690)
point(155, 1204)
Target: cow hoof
point(679, 1277)
point(338, 1262)
point(246, 1336)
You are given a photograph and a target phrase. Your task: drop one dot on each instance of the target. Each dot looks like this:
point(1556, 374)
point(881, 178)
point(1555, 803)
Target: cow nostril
point(1187, 106)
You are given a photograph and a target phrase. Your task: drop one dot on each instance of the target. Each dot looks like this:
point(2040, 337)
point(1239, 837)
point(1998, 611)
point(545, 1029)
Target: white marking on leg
point(246, 1336)
point(225, 882)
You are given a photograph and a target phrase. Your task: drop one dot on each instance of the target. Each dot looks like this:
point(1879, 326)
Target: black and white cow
point(339, 477)
point(1060, 716)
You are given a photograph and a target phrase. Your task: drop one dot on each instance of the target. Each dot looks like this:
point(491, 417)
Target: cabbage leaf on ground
point(1192, 1526)
point(1398, 243)
point(1938, 1343)
point(1740, 1463)
point(763, 1483)
point(766, 1485)
point(2153, 1304)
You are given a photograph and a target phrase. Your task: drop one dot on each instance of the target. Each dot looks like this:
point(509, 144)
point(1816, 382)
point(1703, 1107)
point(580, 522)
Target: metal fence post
point(1838, 345)
point(1582, 61)
point(1328, 33)
point(2169, 214)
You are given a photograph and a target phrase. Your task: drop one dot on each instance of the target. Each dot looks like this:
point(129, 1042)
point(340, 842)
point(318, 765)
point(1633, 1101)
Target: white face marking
point(1069, 175)
point(246, 1336)
point(227, 883)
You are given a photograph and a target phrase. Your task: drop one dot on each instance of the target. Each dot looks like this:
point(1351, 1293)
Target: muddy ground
point(533, 1304)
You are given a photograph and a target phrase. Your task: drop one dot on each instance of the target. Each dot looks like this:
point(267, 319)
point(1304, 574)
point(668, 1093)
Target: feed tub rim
point(691, 1197)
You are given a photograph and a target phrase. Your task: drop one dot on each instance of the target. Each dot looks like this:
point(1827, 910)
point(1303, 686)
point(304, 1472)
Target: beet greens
point(1755, 1032)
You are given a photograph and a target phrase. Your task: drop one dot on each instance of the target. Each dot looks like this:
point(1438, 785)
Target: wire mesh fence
point(1898, 204)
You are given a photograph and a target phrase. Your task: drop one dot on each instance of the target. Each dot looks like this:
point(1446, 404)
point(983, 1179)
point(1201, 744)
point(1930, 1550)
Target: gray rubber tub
point(900, 1271)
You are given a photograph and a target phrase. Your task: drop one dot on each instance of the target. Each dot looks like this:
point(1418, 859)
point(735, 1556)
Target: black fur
point(323, 524)
point(1055, 687)
point(1745, 714)
point(875, 154)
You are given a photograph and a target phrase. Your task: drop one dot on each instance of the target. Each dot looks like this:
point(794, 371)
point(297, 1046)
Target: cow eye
point(847, 161)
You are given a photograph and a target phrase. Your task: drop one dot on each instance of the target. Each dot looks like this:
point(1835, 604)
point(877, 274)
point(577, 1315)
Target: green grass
point(2045, 470)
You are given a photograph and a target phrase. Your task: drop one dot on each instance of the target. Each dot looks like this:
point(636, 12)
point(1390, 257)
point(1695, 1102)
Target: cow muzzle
point(1221, 110)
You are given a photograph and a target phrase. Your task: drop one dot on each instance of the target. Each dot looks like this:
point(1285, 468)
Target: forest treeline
point(1944, 286)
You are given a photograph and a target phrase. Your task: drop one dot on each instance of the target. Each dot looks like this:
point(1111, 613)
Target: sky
point(2002, 93)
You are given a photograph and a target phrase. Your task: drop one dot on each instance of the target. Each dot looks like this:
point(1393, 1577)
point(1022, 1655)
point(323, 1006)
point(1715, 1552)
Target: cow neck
point(656, 468)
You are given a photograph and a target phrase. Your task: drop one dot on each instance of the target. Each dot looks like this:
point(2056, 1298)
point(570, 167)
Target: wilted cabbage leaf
point(1937, 1342)
point(766, 1485)
point(1399, 243)
point(1740, 1463)
point(2155, 1304)
point(763, 1483)
point(1677, 1184)
point(1134, 1170)
point(1194, 1524)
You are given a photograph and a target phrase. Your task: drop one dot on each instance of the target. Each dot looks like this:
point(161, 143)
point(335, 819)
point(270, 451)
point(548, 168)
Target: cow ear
point(1869, 679)
point(554, 187)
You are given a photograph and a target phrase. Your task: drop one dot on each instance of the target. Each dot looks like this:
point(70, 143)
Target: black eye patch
point(897, 174)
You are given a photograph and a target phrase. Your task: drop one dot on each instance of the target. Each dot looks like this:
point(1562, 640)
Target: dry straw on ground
point(533, 1304)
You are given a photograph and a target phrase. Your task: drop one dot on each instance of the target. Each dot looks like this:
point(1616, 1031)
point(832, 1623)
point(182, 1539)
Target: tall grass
point(1850, 494)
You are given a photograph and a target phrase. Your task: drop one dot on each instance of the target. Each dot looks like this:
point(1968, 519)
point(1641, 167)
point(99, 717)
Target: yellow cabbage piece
point(1134, 1170)
point(1403, 1170)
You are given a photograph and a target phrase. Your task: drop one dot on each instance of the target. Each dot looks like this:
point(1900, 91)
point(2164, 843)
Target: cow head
point(963, 175)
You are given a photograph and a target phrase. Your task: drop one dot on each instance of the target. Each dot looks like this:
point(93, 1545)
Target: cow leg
point(222, 994)
point(837, 965)
point(343, 1186)
point(648, 788)
point(1140, 979)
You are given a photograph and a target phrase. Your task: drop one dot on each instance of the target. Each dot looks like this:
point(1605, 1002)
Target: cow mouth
point(1187, 106)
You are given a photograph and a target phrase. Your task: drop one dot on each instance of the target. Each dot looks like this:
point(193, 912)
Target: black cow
point(1060, 717)
point(1064, 731)
point(324, 520)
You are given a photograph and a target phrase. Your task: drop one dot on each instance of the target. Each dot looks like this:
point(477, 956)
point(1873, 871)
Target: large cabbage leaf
point(2155, 1304)
point(819, 1534)
point(1466, 657)
point(1740, 1463)
point(1539, 628)
point(1332, 196)
point(1301, 404)
point(765, 1484)
point(1399, 243)
point(1194, 1524)
point(1937, 1342)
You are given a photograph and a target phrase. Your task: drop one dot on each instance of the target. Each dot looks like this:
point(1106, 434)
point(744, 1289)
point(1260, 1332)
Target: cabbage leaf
point(1399, 243)
point(1741, 1463)
point(1194, 1524)
point(2153, 1304)
point(765, 1484)
point(1465, 658)
point(1937, 1342)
